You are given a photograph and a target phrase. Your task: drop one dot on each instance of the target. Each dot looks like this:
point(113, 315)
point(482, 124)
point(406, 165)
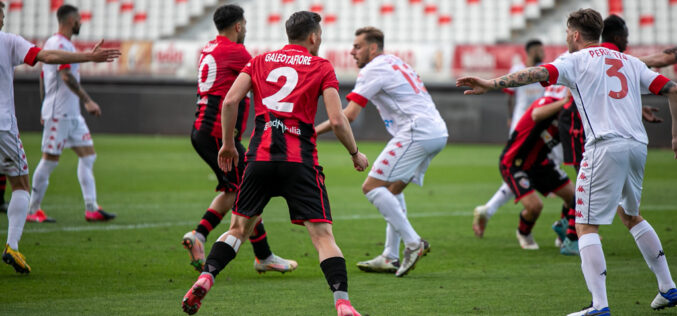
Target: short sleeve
point(329, 77)
point(23, 51)
point(560, 71)
point(248, 67)
point(366, 87)
point(651, 81)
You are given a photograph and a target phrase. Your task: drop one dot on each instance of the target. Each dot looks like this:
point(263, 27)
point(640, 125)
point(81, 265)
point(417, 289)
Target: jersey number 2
point(616, 64)
point(273, 101)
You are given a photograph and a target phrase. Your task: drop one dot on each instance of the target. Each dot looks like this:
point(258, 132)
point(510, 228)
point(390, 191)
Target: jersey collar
point(222, 38)
point(610, 46)
point(296, 47)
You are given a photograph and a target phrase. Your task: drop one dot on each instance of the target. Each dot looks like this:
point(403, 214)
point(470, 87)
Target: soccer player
point(519, 100)
point(220, 63)
point(665, 58)
point(14, 50)
point(63, 125)
point(606, 86)
point(525, 166)
point(419, 134)
point(282, 156)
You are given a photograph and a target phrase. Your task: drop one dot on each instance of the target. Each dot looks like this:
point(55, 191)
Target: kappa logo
point(53, 129)
point(392, 153)
point(51, 137)
point(582, 176)
point(585, 164)
point(398, 144)
point(660, 253)
point(524, 183)
point(580, 202)
point(579, 214)
point(385, 162)
point(580, 189)
point(603, 273)
point(379, 171)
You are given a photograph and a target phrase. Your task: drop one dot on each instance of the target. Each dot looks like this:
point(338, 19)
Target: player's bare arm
point(665, 58)
point(351, 112)
point(670, 90)
point(74, 85)
point(516, 79)
point(97, 54)
point(228, 156)
point(341, 127)
point(546, 111)
point(649, 114)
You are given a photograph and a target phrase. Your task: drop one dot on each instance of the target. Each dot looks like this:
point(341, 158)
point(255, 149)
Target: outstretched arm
point(515, 79)
point(662, 59)
point(97, 54)
point(546, 111)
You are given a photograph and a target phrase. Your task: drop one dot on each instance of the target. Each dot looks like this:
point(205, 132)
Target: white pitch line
point(95, 227)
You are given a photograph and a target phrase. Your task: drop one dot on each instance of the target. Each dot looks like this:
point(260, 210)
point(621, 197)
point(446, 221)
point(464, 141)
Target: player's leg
point(3, 187)
point(482, 213)
point(532, 210)
point(333, 265)
point(40, 183)
point(194, 240)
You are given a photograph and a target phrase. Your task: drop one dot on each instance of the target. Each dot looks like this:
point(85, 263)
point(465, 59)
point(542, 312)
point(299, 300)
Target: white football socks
point(16, 214)
point(87, 183)
point(392, 245)
point(391, 210)
point(650, 247)
point(593, 265)
point(502, 196)
point(40, 183)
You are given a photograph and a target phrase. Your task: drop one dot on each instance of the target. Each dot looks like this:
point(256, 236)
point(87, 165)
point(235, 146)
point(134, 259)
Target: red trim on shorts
point(362, 101)
point(213, 211)
point(518, 198)
point(257, 239)
point(553, 74)
point(31, 57)
point(317, 180)
point(658, 84)
point(301, 221)
point(240, 214)
point(64, 66)
point(560, 187)
point(206, 224)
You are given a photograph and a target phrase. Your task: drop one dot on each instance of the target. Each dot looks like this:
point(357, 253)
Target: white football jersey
point(607, 87)
point(400, 97)
point(60, 101)
point(524, 96)
point(14, 51)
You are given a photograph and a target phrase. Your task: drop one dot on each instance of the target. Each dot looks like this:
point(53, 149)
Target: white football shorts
point(65, 133)
point(406, 160)
point(611, 175)
point(13, 156)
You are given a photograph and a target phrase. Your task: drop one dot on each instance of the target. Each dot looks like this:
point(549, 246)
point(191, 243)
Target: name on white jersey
point(606, 52)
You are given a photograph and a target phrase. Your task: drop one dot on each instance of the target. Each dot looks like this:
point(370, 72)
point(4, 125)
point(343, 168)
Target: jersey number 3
point(616, 64)
point(273, 101)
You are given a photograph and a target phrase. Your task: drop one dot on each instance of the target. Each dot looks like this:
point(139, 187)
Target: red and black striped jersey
point(287, 84)
point(531, 142)
point(220, 63)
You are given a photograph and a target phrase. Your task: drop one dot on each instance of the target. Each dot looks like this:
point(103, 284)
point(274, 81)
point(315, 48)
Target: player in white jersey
point(607, 86)
point(63, 125)
point(519, 100)
point(14, 50)
point(419, 133)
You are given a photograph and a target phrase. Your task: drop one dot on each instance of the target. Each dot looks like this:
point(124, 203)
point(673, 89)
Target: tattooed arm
point(515, 79)
point(74, 85)
point(670, 90)
point(666, 58)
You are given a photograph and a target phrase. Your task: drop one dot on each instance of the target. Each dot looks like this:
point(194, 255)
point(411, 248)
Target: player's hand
point(476, 85)
point(649, 116)
point(92, 108)
point(228, 157)
point(674, 145)
point(99, 54)
point(360, 161)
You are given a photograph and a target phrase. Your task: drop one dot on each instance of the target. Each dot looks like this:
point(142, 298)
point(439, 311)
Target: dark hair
point(227, 15)
point(588, 22)
point(301, 24)
point(372, 35)
point(2, 5)
point(532, 43)
point(64, 12)
point(614, 25)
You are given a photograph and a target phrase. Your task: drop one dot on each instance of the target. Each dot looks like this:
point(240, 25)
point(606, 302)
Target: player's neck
point(65, 32)
point(232, 36)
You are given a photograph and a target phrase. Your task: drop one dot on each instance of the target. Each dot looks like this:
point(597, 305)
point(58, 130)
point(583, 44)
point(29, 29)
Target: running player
point(519, 100)
point(525, 166)
point(14, 50)
point(607, 87)
point(220, 63)
point(282, 156)
point(63, 125)
point(419, 134)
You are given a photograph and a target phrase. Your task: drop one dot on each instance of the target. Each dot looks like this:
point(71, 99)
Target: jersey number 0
point(292, 78)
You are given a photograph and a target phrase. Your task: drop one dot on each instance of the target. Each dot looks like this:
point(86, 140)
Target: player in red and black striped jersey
point(220, 63)
point(525, 166)
point(282, 158)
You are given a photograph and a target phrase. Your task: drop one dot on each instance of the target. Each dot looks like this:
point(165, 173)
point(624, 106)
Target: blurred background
point(152, 87)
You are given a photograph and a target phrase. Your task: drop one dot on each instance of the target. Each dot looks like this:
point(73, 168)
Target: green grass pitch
point(159, 189)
